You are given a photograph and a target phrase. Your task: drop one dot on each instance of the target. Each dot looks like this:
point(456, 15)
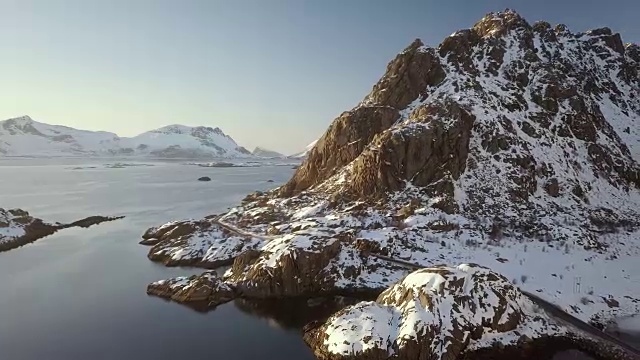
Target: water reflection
point(285, 314)
point(294, 314)
point(571, 355)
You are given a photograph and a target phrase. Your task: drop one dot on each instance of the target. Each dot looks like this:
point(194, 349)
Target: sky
point(270, 73)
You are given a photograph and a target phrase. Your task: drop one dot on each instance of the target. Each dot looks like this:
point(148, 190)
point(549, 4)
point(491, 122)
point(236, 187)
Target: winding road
point(242, 233)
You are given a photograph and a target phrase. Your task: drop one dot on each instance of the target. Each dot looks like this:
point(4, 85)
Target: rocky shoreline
point(18, 228)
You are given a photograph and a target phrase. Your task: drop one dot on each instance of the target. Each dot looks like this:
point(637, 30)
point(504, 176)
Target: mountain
point(511, 145)
point(266, 153)
point(25, 137)
point(305, 153)
point(184, 141)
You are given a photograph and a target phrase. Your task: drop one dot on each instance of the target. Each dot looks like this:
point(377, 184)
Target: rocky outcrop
point(432, 313)
point(90, 221)
point(207, 289)
point(432, 153)
point(291, 266)
point(408, 77)
point(344, 141)
point(195, 243)
point(18, 228)
point(444, 313)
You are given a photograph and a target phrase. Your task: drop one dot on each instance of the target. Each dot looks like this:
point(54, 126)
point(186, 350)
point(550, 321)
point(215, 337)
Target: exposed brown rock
point(407, 77)
point(299, 273)
point(206, 288)
point(427, 153)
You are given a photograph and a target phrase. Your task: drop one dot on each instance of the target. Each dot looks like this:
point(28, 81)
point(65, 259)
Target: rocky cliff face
point(535, 118)
point(203, 291)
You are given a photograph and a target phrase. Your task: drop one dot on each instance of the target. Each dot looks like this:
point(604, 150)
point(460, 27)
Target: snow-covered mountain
point(25, 137)
point(266, 153)
point(185, 141)
point(510, 145)
point(305, 153)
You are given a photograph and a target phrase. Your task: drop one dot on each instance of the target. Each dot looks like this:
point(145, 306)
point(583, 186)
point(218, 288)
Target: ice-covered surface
point(186, 282)
point(25, 137)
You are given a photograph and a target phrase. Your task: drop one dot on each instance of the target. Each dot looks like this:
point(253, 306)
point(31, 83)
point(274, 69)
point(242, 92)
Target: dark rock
point(299, 273)
point(206, 288)
point(552, 187)
point(427, 155)
point(29, 229)
point(407, 77)
point(92, 220)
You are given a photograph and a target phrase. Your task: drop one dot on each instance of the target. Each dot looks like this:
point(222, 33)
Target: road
point(242, 233)
point(559, 314)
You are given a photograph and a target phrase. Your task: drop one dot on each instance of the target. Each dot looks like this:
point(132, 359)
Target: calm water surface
point(80, 294)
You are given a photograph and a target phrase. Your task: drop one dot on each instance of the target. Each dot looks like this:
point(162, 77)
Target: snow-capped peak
point(22, 136)
point(266, 153)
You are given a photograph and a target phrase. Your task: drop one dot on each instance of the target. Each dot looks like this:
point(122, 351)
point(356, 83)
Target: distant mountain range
point(25, 137)
point(266, 153)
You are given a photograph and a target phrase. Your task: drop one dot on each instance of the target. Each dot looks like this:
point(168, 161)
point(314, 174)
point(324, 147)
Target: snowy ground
point(590, 284)
point(9, 228)
point(431, 308)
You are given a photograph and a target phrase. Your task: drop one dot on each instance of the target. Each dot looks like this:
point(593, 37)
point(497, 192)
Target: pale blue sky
point(268, 72)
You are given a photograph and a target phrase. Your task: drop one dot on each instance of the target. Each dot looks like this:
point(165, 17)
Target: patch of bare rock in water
point(509, 145)
point(201, 291)
point(18, 228)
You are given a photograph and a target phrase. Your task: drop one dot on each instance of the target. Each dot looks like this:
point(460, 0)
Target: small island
point(18, 228)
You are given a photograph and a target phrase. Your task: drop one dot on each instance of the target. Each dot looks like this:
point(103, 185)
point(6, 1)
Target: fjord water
point(80, 294)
